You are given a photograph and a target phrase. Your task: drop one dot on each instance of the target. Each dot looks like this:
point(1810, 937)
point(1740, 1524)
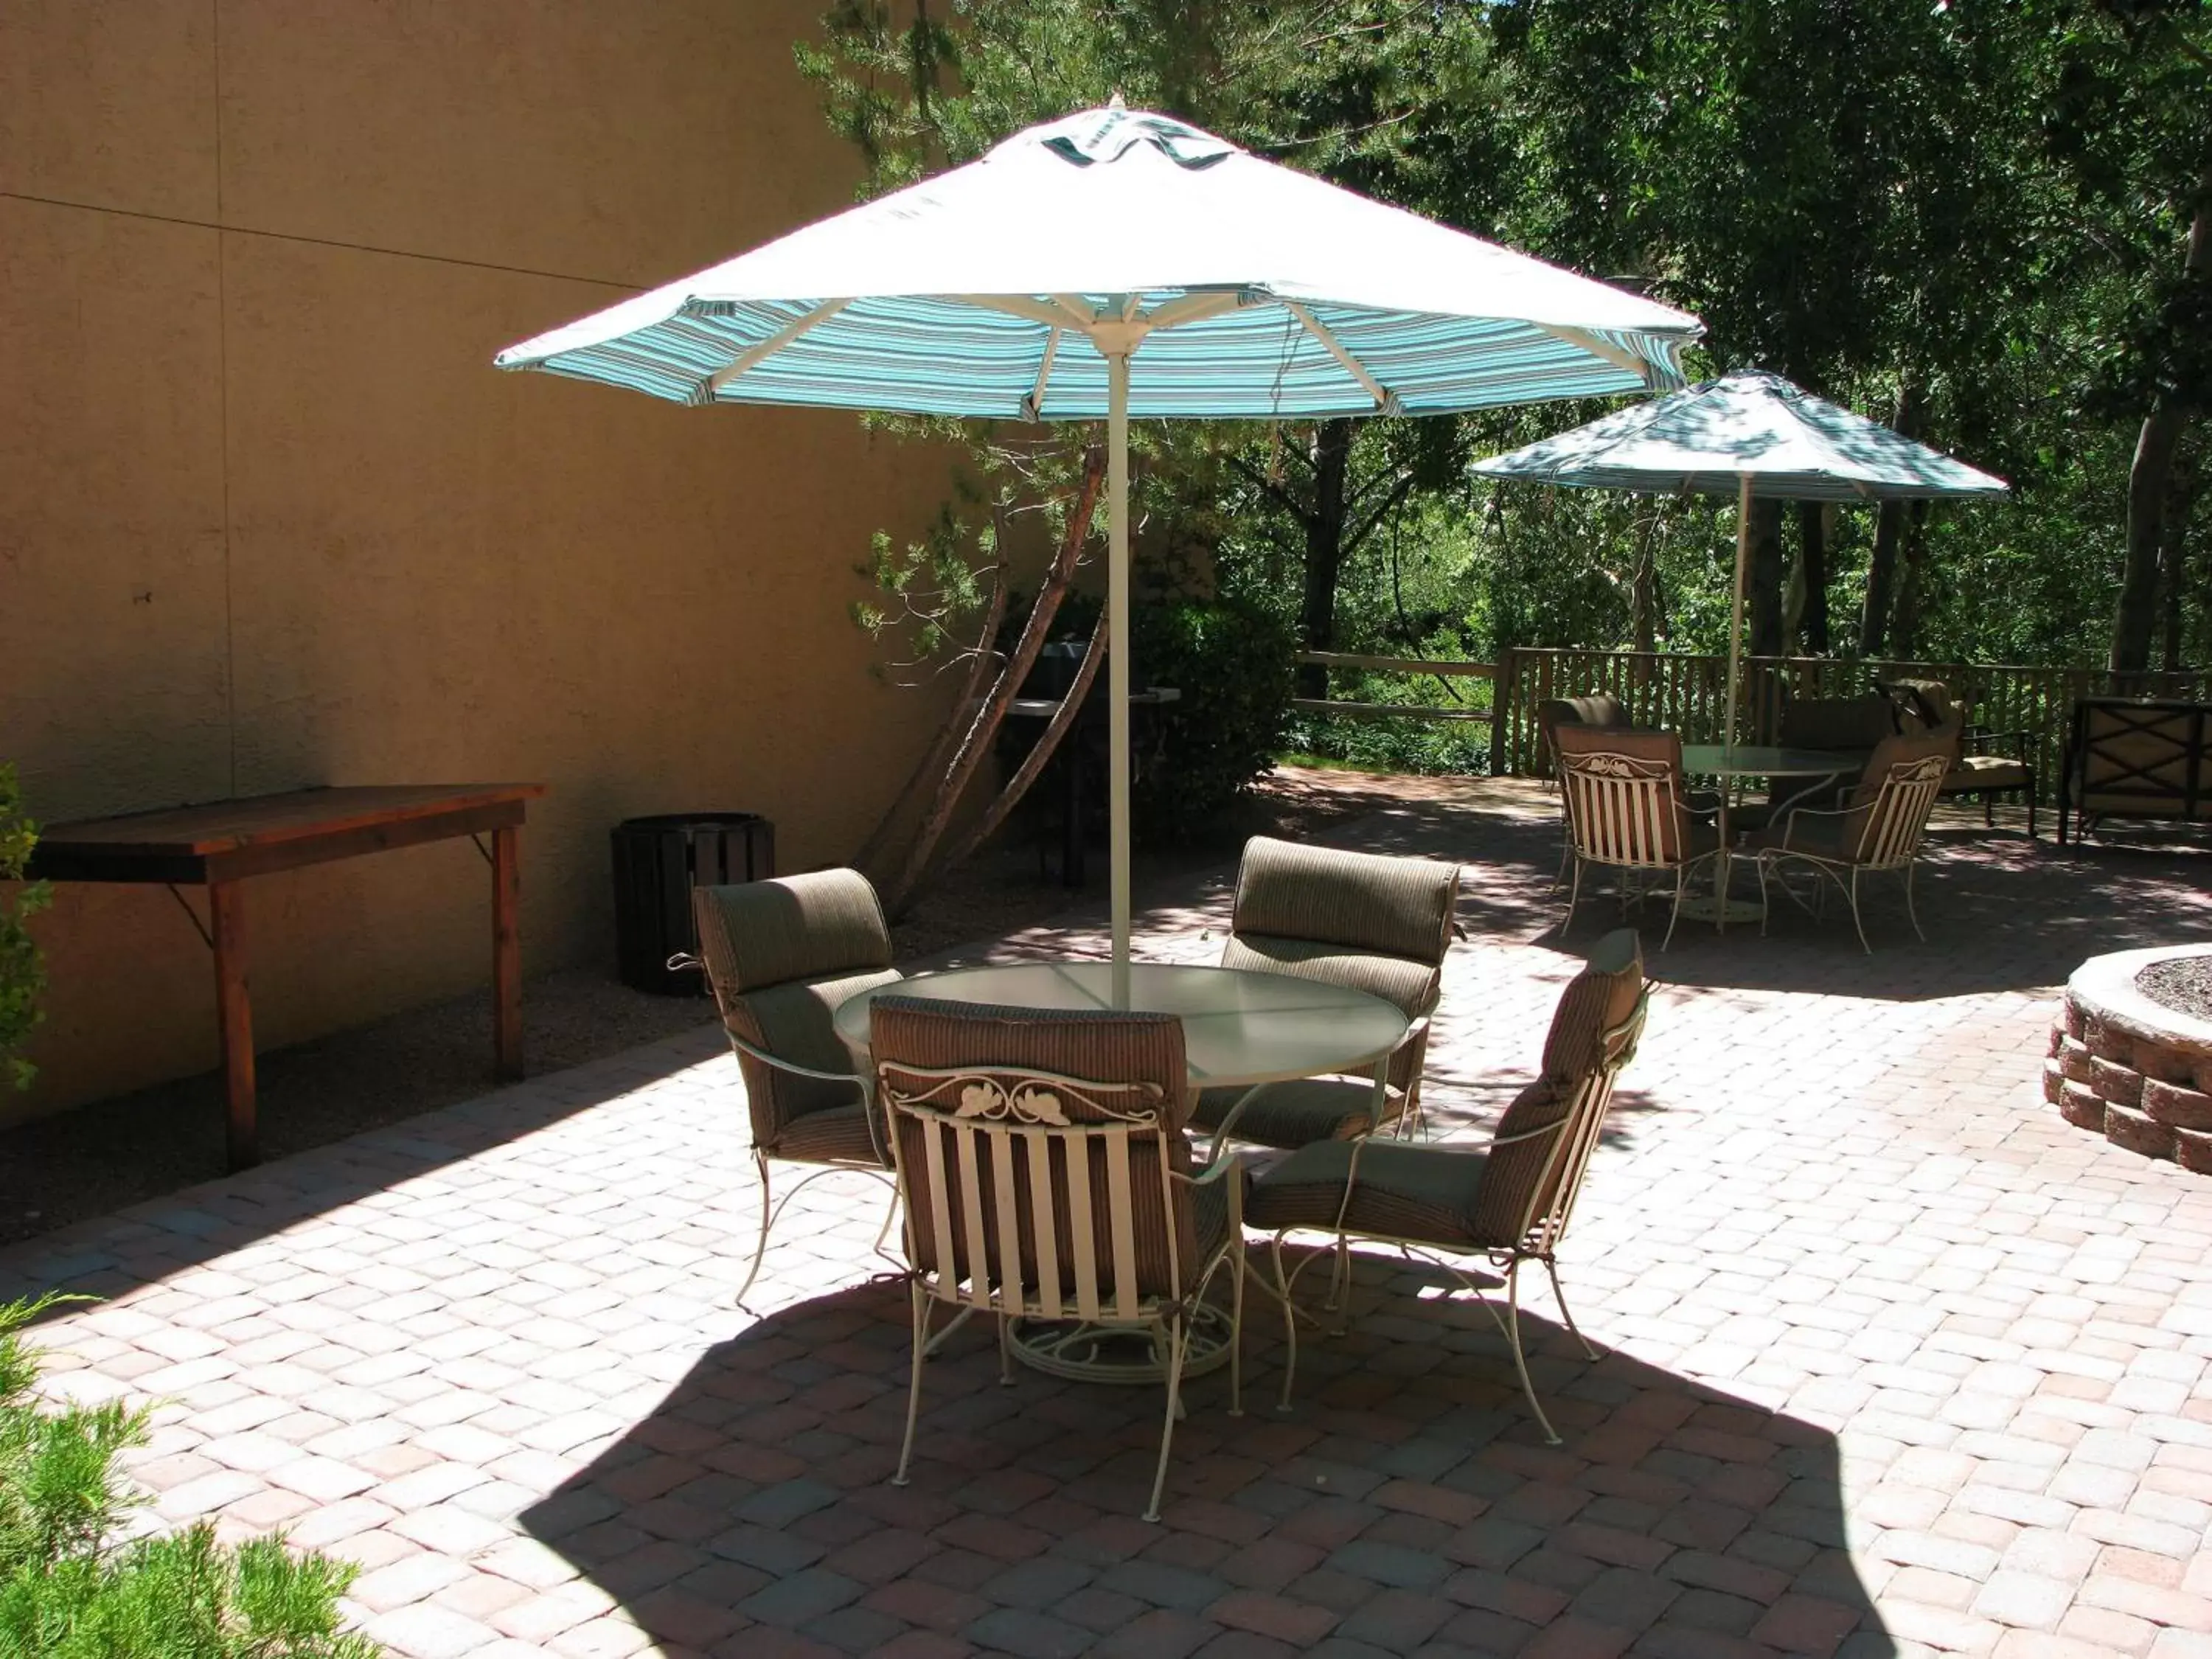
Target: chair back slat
point(1901, 810)
point(1620, 810)
point(980, 1262)
point(1083, 1237)
point(940, 1207)
point(1123, 1213)
point(1050, 1303)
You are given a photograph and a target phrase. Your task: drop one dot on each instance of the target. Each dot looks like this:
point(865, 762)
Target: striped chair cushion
point(759, 933)
point(1596, 1000)
point(834, 1134)
point(1363, 902)
point(796, 1021)
point(910, 1033)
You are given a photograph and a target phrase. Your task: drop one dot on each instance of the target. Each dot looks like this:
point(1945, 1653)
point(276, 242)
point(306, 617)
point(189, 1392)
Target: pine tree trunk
point(1813, 568)
point(2151, 481)
point(1888, 527)
point(1905, 629)
point(1764, 585)
point(1324, 527)
point(983, 726)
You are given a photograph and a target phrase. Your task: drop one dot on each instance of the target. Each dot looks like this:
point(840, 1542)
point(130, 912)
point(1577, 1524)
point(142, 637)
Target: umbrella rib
point(1591, 343)
point(1033, 406)
point(1386, 401)
point(774, 343)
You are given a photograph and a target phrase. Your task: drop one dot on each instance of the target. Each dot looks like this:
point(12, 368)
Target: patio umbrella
point(1747, 434)
point(1117, 264)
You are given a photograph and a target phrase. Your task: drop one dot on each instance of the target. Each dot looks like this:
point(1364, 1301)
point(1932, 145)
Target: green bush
point(1233, 665)
point(70, 1589)
point(22, 975)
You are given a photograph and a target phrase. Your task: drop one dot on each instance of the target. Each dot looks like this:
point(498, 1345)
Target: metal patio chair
point(1045, 1175)
point(1880, 828)
point(781, 956)
point(1374, 923)
point(1628, 808)
point(1509, 1202)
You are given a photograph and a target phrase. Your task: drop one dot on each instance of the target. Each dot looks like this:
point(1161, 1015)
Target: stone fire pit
point(2130, 1068)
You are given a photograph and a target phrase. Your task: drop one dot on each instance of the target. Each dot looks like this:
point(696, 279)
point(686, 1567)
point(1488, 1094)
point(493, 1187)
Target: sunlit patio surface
point(1896, 1360)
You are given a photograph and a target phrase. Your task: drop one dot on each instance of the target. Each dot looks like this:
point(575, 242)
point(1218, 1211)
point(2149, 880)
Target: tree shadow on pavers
point(149, 1242)
point(1407, 1499)
point(2000, 913)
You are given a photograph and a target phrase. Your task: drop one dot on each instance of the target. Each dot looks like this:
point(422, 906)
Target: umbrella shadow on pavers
point(1407, 1499)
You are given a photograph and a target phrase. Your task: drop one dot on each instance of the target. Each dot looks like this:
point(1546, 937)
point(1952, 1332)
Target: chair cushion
point(1970, 773)
point(1412, 985)
point(758, 933)
point(833, 1134)
point(1296, 1114)
point(795, 1022)
point(1403, 1190)
point(1363, 903)
point(1597, 999)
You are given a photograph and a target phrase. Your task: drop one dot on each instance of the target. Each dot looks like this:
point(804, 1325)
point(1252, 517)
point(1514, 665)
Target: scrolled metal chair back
point(1897, 818)
point(1622, 808)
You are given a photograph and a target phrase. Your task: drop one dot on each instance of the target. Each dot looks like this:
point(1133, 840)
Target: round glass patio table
point(1751, 760)
point(1241, 1029)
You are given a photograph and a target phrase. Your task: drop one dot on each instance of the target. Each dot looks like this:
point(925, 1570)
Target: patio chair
point(1374, 923)
point(1853, 724)
point(781, 956)
point(1628, 809)
point(1509, 1202)
point(1879, 827)
point(1989, 762)
point(1045, 1175)
point(1599, 708)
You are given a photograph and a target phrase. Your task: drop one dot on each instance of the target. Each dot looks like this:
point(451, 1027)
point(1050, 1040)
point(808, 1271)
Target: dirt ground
point(110, 1153)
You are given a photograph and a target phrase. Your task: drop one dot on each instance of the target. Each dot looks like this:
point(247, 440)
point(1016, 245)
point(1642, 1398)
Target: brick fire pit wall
point(2135, 1071)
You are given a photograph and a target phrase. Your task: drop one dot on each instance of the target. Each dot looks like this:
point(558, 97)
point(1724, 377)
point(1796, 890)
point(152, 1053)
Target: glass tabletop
point(1240, 1027)
point(1749, 759)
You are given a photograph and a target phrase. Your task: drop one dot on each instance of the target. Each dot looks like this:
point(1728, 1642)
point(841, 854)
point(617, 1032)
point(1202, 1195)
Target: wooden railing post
point(1504, 704)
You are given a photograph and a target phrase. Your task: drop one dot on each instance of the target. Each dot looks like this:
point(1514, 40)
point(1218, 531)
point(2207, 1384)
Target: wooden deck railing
point(1688, 693)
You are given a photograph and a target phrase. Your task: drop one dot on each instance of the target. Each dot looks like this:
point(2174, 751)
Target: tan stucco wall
point(268, 519)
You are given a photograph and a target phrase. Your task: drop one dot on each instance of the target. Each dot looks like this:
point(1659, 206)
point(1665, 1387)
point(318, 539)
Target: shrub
point(1233, 665)
point(22, 975)
point(70, 1589)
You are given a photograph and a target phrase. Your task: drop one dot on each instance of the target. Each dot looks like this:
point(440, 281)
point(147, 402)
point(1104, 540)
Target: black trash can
point(657, 862)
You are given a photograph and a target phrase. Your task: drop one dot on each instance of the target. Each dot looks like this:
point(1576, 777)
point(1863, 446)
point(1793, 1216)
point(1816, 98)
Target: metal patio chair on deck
point(1045, 1175)
point(1880, 827)
point(782, 955)
point(1509, 1202)
point(1628, 808)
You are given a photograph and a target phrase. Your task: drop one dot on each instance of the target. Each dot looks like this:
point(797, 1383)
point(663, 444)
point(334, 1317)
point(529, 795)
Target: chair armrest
point(754, 1052)
point(1790, 821)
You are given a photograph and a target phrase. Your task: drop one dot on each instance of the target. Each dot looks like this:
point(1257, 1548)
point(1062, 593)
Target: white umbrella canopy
point(1121, 263)
point(1753, 436)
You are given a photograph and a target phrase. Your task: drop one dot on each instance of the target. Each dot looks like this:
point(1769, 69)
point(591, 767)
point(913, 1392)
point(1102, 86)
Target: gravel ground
point(2183, 984)
point(116, 1152)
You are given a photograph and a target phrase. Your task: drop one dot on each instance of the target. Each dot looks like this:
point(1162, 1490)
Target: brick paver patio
point(1898, 1361)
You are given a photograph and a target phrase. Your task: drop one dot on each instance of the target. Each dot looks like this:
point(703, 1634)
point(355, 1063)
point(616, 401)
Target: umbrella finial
point(1114, 102)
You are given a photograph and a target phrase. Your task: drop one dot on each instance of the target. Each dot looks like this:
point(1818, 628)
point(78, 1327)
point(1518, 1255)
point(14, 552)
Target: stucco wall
point(268, 519)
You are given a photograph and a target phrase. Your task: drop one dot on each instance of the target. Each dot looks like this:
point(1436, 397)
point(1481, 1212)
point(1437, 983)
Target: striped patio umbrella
point(1118, 264)
point(1750, 434)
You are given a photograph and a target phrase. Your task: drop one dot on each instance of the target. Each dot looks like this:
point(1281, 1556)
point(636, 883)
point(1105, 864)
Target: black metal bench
point(2129, 759)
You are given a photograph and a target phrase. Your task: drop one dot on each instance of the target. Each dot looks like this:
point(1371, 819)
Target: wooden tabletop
point(223, 826)
point(255, 834)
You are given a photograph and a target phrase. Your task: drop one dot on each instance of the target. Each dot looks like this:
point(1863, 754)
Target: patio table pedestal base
point(1129, 1354)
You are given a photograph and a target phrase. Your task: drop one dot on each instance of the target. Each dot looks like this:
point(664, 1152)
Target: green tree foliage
point(22, 974)
point(70, 1587)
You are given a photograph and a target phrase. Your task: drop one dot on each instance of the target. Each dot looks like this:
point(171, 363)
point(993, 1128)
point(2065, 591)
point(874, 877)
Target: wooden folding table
point(219, 844)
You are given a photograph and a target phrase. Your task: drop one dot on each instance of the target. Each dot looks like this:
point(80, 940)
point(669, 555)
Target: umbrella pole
point(1736, 611)
point(1117, 659)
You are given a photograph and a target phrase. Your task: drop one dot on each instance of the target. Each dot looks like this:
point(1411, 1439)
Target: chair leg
point(1237, 1267)
point(1912, 915)
point(759, 1249)
point(913, 1381)
point(1290, 1324)
point(1005, 1352)
point(1559, 1295)
point(1574, 897)
point(1681, 875)
point(1857, 921)
point(1762, 867)
point(1178, 1344)
point(1520, 1359)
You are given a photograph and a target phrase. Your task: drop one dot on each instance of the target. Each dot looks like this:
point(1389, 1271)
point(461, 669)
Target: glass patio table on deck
point(1713, 760)
point(1241, 1028)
